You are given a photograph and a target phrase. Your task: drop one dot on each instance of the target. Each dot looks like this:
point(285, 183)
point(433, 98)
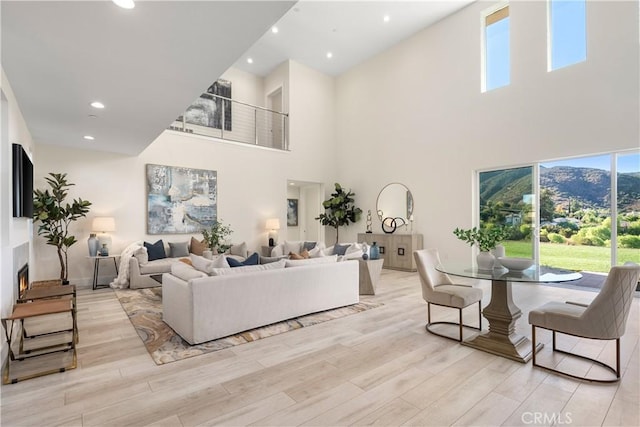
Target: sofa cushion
point(301, 262)
point(309, 245)
point(317, 252)
point(155, 250)
point(292, 247)
point(248, 268)
point(340, 249)
point(252, 260)
point(206, 265)
point(186, 261)
point(141, 255)
point(240, 250)
point(186, 272)
point(157, 266)
point(178, 249)
point(197, 247)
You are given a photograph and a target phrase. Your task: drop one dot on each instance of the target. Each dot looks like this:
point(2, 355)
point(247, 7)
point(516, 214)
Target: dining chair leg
point(460, 316)
point(618, 357)
point(533, 344)
point(479, 316)
point(428, 313)
point(553, 339)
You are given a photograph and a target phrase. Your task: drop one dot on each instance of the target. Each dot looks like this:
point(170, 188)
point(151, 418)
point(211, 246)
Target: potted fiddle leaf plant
point(339, 209)
point(55, 216)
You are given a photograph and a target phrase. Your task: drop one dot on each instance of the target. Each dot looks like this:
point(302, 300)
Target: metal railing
point(224, 118)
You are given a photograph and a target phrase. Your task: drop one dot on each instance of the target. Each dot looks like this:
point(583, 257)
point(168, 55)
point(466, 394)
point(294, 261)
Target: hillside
point(587, 186)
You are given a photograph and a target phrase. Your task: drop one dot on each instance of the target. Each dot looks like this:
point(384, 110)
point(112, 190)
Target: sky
point(626, 163)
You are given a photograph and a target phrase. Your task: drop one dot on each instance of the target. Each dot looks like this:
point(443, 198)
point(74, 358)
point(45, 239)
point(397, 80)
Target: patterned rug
point(144, 308)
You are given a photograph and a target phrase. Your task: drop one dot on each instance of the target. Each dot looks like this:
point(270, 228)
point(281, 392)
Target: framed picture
point(292, 212)
point(208, 110)
point(180, 200)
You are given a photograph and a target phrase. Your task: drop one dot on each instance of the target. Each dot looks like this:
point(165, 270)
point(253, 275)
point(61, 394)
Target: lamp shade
point(273, 224)
point(104, 224)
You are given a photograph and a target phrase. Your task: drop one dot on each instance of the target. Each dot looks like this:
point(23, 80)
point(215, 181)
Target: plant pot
point(485, 260)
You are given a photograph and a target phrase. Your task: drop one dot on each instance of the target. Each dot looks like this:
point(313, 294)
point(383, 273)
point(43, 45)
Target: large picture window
point(571, 225)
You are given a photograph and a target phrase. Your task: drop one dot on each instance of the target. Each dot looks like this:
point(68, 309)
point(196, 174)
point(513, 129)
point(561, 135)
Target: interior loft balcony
point(223, 118)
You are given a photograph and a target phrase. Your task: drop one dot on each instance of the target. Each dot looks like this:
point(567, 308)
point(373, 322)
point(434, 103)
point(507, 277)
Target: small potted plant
point(486, 239)
point(216, 237)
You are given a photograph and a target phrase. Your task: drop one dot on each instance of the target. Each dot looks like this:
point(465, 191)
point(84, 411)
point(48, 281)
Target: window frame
point(483, 42)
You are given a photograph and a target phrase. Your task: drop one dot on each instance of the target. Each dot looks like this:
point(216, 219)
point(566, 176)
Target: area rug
point(144, 308)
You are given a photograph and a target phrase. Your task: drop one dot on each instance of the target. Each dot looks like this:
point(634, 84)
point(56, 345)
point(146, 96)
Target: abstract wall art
point(180, 200)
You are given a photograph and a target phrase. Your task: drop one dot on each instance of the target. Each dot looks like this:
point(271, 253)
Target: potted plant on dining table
point(487, 240)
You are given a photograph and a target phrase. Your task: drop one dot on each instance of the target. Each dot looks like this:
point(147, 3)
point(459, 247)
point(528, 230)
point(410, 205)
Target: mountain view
point(589, 187)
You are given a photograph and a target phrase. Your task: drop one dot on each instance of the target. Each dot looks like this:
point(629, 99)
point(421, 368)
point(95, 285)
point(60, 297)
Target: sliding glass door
point(507, 200)
point(571, 202)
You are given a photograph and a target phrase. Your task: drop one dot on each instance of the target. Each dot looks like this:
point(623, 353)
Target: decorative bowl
point(515, 264)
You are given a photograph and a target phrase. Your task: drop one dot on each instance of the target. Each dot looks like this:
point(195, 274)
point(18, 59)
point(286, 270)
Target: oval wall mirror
point(395, 201)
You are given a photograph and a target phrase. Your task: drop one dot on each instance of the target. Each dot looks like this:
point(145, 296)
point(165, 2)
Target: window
point(496, 49)
point(567, 37)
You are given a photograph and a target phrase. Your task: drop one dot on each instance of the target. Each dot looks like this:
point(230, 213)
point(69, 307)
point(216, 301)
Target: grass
point(579, 258)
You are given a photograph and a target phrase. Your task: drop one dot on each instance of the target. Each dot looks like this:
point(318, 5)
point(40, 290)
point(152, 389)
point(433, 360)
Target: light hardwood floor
point(376, 367)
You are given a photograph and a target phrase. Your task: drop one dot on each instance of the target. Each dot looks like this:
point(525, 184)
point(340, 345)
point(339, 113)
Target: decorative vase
point(485, 260)
point(497, 252)
point(104, 250)
point(207, 254)
point(374, 251)
point(94, 244)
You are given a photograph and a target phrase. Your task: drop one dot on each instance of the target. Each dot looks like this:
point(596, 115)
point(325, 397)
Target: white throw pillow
point(247, 268)
point(292, 247)
point(240, 250)
point(141, 255)
point(354, 251)
point(302, 262)
point(185, 272)
point(206, 265)
point(316, 252)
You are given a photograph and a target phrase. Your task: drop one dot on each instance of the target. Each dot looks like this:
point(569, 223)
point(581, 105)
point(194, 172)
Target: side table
point(266, 250)
point(369, 275)
point(33, 309)
point(96, 267)
point(51, 292)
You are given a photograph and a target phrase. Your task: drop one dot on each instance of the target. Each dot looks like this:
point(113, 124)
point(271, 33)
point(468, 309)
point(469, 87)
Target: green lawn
point(588, 258)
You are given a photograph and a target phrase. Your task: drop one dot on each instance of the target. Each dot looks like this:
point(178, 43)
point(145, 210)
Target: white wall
point(414, 114)
point(13, 231)
point(251, 181)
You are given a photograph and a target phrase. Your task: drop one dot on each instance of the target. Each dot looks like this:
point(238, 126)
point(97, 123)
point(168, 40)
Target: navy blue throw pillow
point(308, 245)
point(252, 260)
point(340, 249)
point(155, 250)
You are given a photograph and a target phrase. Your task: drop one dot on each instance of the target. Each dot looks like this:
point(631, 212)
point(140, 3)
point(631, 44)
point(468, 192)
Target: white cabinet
point(395, 249)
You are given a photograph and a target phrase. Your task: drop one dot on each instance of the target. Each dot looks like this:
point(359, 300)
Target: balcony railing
point(224, 118)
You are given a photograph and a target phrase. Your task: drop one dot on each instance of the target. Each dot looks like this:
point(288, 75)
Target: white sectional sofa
point(201, 308)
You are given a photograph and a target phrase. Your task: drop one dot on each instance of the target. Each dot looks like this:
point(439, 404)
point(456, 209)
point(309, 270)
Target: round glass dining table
point(501, 312)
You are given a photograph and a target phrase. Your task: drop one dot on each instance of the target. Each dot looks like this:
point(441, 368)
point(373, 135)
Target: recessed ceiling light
point(125, 4)
point(93, 116)
point(386, 18)
point(329, 55)
point(292, 183)
point(274, 29)
point(89, 137)
point(97, 104)
point(250, 60)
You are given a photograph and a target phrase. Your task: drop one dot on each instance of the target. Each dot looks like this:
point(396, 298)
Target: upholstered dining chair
point(439, 289)
point(604, 318)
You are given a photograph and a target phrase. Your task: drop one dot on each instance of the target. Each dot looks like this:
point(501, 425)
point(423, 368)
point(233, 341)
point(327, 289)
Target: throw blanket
point(122, 281)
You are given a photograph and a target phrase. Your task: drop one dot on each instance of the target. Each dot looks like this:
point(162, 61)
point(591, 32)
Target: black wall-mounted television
point(22, 183)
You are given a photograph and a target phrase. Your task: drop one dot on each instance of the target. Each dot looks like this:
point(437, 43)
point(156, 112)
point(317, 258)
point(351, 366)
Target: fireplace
point(23, 279)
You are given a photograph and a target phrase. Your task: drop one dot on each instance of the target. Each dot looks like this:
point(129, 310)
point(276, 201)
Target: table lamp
point(103, 225)
point(273, 224)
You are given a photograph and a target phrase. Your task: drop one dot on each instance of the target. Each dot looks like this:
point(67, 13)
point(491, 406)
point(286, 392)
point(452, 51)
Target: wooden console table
point(396, 249)
point(33, 309)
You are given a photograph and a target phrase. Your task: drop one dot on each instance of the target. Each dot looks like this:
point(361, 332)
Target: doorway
point(304, 204)
point(275, 122)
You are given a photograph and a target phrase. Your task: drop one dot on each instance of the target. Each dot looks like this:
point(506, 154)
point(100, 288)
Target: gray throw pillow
point(178, 249)
point(340, 249)
point(308, 245)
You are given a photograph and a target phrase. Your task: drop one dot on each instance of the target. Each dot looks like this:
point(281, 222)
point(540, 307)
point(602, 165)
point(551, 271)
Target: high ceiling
point(149, 63)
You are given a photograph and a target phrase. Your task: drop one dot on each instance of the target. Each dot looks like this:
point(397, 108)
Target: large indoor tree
point(339, 210)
